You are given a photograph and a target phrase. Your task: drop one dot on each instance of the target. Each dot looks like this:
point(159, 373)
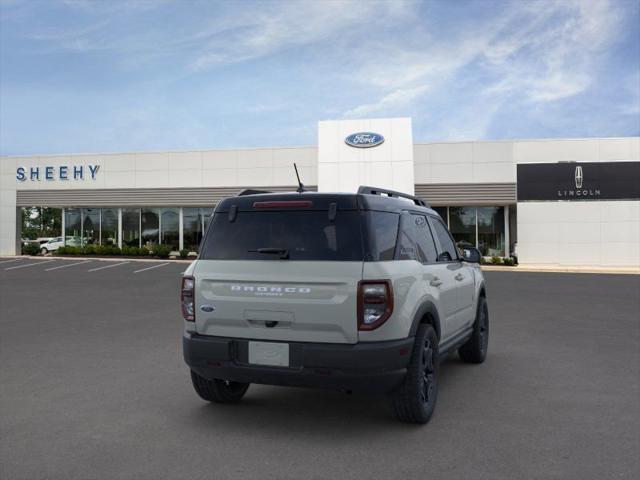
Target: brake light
point(187, 298)
point(375, 303)
point(284, 204)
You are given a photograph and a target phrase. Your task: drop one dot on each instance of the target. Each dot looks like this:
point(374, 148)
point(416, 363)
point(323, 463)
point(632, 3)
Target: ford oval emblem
point(207, 308)
point(364, 139)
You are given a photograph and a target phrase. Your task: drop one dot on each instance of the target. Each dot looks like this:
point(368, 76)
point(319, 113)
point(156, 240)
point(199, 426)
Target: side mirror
point(471, 255)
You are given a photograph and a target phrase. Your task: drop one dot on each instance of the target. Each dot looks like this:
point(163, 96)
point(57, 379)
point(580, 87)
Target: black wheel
point(415, 400)
point(475, 349)
point(219, 391)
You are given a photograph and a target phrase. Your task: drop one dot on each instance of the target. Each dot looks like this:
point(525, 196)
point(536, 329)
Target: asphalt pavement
point(93, 386)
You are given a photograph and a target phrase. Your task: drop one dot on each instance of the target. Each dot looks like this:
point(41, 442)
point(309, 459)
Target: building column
point(64, 227)
point(119, 227)
point(180, 230)
point(476, 211)
point(507, 241)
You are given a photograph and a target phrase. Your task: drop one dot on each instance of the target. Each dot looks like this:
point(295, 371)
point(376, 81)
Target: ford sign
point(364, 139)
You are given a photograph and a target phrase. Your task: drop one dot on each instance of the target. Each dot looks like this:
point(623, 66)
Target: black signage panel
point(576, 181)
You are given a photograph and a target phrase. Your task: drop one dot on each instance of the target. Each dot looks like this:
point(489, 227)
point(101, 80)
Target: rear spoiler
point(364, 190)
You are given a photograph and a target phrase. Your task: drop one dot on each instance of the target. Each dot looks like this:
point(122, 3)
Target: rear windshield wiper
point(283, 252)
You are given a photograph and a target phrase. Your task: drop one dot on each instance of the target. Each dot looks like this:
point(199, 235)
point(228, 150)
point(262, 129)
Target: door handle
point(459, 277)
point(436, 282)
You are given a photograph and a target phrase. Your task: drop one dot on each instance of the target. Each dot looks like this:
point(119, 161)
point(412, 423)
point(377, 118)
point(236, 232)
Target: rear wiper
point(283, 252)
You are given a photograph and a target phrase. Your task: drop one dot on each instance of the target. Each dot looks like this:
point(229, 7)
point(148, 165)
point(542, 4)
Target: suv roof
point(367, 198)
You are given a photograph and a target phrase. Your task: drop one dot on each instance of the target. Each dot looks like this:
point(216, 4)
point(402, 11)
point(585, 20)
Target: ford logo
point(207, 308)
point(364, 139)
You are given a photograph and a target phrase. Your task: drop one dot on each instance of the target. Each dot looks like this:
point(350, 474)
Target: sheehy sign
point(60, 172)
point(576, 181)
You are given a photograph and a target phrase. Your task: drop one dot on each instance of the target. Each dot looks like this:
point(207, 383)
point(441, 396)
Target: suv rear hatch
point(282, 267)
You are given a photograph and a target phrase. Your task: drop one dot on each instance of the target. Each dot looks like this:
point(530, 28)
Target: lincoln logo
point(579, 177)
point(579, 191)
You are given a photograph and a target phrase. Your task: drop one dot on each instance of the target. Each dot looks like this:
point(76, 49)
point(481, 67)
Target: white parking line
point(30, 264)
point(108, 266)
point(149, 268)
point(65, 266)
point(9, 261)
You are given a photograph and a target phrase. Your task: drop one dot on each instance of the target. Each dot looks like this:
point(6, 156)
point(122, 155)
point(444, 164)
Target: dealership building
point(560, 202)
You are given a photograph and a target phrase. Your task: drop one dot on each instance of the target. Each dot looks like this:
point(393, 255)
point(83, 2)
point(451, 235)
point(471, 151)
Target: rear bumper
point(373, 367)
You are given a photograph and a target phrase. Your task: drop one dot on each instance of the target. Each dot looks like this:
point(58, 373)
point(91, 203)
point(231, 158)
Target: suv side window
point(424, 240)
point(406, 239)
point(415, 241)
point(448, 251)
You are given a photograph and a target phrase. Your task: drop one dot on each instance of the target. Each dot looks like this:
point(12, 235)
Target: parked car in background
point(55, 243)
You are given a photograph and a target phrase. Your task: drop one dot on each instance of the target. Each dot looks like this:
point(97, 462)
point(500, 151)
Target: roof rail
point(391, 193)
point(251, 191)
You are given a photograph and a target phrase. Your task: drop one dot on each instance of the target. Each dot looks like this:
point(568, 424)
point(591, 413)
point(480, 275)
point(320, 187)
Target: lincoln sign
point(576, 181)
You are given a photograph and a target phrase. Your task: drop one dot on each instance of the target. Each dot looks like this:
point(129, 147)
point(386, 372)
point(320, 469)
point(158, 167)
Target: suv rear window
point(304, 235)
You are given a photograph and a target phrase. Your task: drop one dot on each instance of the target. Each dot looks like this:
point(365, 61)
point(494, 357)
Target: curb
point(99, 259)
point(558, 269)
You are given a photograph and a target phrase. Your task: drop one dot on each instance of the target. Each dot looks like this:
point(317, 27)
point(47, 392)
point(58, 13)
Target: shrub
point(162, 251)
point(496, 260)
point(508, 261)
point(31, 249)
point(89, 250)
point(113, 250)
point(482, 260)
point(183, 253)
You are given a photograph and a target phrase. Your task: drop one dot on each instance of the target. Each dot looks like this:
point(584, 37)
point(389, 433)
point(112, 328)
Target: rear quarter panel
point(411, 289)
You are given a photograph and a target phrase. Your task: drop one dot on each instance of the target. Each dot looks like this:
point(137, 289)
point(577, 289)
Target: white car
point(56, 242)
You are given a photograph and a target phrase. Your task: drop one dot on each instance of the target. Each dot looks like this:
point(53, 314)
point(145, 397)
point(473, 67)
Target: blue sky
point(104, 76)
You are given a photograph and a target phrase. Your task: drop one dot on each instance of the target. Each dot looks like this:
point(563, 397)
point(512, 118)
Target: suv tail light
point(187, 298)
point(375, 303)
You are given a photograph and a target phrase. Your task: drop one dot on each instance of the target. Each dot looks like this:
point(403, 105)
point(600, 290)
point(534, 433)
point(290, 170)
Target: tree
point(41, 222)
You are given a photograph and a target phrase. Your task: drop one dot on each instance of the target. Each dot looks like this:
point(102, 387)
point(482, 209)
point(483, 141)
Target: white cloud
point(398, 98)
point(537, 51)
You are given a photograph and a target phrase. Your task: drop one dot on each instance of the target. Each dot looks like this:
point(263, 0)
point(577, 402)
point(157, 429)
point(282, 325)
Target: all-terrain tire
point(475, 349)
point(218, 391)
point(415, 399)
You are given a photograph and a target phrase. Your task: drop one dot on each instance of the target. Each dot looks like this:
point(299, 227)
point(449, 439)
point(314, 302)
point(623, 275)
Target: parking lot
point(93, 385)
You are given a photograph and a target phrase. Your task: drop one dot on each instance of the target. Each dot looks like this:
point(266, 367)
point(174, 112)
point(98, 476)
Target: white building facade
point(565, 202)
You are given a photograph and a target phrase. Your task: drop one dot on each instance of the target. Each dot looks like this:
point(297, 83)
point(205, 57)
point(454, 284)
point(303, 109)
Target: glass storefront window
point(90, 226)
point(491, 230)
point(206, 217)
point(442, 211)
point(131, 227)
point(150, 226)
point(72, 227)
point(109, 226)
point(462, 224)
point(170, 227)
point(192, 228)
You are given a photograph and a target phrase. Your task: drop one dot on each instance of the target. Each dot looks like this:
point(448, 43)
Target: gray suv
point(357, 292)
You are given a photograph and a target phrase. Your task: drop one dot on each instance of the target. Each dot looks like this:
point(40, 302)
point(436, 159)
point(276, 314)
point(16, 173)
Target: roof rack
point(251, 191)
point(391, 193)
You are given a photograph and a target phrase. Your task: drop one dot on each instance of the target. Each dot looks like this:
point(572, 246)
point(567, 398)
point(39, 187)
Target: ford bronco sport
point(357, 292)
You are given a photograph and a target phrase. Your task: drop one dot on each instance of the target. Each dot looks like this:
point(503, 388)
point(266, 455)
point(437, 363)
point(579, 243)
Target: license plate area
point(269, 353)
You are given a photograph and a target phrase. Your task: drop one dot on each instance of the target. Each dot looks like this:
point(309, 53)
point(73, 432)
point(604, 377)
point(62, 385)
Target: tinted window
point(407, 241)
point(305, 235)
point(416, 242)
point(382, 228)
point(447, 248)
point(424, 240)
